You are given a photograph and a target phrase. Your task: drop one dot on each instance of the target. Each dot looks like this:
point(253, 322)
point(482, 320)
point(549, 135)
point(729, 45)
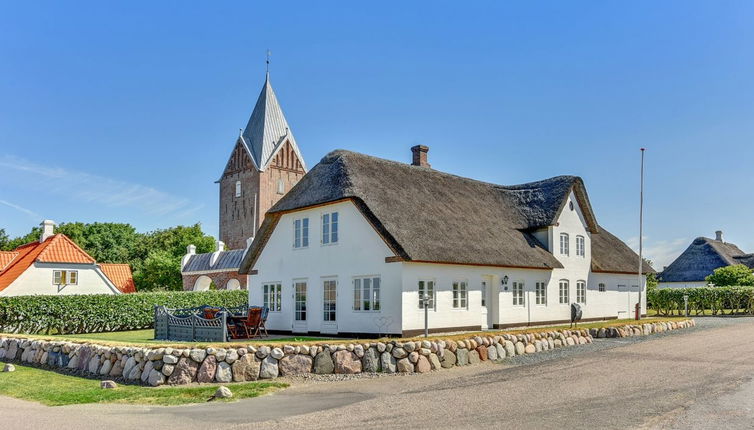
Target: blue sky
point(127, 112)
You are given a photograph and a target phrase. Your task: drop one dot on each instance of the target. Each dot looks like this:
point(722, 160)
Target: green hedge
point(101, 312)
point(715, 300)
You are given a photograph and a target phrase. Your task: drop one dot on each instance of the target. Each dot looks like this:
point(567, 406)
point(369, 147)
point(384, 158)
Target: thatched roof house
point(702, 257)
point(430, 216)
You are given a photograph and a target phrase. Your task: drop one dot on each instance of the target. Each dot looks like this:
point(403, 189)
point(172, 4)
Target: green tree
point(732, 276)
point(160, 271)
point(4, 240)
point(651, 277)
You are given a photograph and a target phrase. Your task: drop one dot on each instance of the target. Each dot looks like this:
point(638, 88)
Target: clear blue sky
point(127, 112)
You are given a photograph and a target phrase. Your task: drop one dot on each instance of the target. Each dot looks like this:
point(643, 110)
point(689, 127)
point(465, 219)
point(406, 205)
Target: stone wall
point(176, 366)
point(219, 278)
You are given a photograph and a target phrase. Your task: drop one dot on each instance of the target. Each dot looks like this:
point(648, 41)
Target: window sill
point(329, 244)
point(300, 248)
point(365, 312)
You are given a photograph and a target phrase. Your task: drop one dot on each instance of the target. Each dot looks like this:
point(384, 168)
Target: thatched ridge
point(701, 258)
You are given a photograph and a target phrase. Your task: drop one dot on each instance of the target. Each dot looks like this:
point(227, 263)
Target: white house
point(699, 260)
point(55, 265)
point(354, 245)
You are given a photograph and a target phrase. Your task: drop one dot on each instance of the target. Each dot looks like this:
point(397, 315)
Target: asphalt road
point(695, 378)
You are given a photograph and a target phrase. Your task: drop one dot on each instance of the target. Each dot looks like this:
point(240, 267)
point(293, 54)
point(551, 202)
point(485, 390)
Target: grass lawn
point(55, 389)
point(147, 337)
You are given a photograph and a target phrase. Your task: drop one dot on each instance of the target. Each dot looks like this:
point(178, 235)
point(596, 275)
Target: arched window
point(202, 283)
point(233, 284)
point(238, 188)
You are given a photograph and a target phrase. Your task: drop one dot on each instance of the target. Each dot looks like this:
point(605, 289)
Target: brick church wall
point(219, 278)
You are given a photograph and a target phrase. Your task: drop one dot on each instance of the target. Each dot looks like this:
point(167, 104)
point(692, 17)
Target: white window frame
point(540, 292)
point(330, 228)
point(580, 246)
point(301, 233)
point(300, 311)
point(238, 188)
point(65, 277)
point(430, 286)
point(601, 287)
point(272, 295)
point(327, 313)
point(366, 293)
point(564, 244)
point(518, 290)
point(581, 292)
point(460, 294)
point(564, 299)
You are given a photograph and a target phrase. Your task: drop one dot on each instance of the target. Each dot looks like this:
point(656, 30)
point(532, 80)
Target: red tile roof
point(6, 257)
point(57, 248)
point(120, 275)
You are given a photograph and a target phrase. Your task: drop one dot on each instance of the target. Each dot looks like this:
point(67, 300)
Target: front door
point(485, 314)
point(330, 306)
point(300, 310)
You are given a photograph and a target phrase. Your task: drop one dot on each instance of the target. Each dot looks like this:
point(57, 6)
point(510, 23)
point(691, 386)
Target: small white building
point(355, 244)
point(700, 260)
point(55, 265)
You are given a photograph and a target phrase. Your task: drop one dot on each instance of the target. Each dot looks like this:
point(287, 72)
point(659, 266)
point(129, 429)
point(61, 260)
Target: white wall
point(359, 251)
point(681, 284)
point(38, 279)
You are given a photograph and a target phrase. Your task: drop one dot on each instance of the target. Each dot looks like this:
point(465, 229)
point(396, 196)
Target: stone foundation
point(177, 366)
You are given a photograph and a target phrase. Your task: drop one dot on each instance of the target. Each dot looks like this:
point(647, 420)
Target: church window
point(281, 186)
point(238, 188)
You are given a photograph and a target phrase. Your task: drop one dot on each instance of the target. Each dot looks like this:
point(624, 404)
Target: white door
point(300, 310)
point(633, 299)
point(330, 306)
point(626, 298)
point(485, 314)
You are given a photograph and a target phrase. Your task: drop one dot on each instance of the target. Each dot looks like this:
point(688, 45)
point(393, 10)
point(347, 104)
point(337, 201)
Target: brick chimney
point(719, 236)
point(420, 156)
point(48, 227)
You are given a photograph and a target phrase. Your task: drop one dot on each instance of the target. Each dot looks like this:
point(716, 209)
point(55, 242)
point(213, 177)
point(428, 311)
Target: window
point(601, 288)
point(540, 289)
point(330, 228)
point(581, 292)
point(427, 289)
point(484, 294)
point(281, 186)
point(564, 243)
point(272, 296)
point(580, 249)
point(301, 233)
point(65, 277)
point(300, 300)
point(518, 293)
point(366, 294)
point(238, 188)
point(563, 292)
point(460, 297)
point(329, 289)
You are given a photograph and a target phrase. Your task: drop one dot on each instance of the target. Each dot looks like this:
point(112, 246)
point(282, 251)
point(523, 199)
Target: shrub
point(717, 300)
point(101, 312)
point(726, 276)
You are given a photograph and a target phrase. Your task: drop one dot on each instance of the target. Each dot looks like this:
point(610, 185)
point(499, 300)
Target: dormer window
point(238, 188)
point(580, 246)
point(564, 244)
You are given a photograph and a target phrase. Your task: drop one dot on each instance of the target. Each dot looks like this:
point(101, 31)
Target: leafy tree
point(729, 276)
point(22, 240)
point(4, 240)
point(651, 277)
point(160, 271)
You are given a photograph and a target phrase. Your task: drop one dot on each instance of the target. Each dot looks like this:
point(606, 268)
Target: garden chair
point(263, 321)
point(248, 327)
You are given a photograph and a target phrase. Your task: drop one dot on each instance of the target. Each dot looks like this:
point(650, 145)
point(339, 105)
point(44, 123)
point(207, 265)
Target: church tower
point(264, 164)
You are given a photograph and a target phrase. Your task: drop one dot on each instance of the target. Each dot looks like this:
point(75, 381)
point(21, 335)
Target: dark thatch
point(427, 215)
point(610, 254)
point(701, 258)
point(227, 260)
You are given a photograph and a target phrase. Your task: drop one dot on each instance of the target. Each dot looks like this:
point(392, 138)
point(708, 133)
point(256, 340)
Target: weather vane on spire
point(268, 60)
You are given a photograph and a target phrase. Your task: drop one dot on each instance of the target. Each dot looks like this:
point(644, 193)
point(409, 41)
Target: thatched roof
point(701, 258)
point(429, 216)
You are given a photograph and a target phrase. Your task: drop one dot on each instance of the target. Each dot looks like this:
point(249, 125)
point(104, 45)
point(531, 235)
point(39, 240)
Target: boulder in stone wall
point(130, 363)
point(224, 372)
point(538, 345)
point(85, 354)
point(510, 348)
point(404, 366)
point(550, 343)
point(474, 357)
point(569, 341)
point(107, 366)
point(246, 368)
point(170, 359)
point(117, 370)
point(155, 378)
point(11, 350)
point(323, 363)
point(269, 369)
point(134, 374)
point(500, 350)
point(184, 372)
point(483, 353)
point(582, 341)
point(167, 369)
point(520, 348)
point(434, 361)
point(297, 364)
point(147, 370)
point(413, 357)
point(448, 360)
point(197, 354)
point(346, 362)
point(371, 360)
point(492, 352)
point(422, 365)
point(462, 356)
point(388, 362)
point(207, 370)
point(530, 349)
point(399, 353)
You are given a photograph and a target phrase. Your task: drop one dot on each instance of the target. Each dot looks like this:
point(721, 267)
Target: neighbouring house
point(264, 164)
point(200, 271)
point(357, 244)
point(699, 260)
point(55, 265)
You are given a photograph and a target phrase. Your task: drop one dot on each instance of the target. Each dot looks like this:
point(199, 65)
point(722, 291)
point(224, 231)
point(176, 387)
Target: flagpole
point(641, 233)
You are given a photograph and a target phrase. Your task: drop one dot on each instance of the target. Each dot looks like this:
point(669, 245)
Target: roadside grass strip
point(55, 389)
